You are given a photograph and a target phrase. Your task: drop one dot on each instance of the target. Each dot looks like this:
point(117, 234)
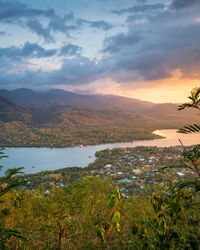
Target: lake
point(55, 158)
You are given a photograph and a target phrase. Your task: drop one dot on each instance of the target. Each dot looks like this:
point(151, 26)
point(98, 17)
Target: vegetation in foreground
point(91, 214)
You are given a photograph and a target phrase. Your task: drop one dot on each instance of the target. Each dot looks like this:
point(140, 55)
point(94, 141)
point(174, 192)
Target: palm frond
point(189, 129)
point(184, 105)
point(186, 184)
point(179, 165)
point(197, 93)
point(191, 203)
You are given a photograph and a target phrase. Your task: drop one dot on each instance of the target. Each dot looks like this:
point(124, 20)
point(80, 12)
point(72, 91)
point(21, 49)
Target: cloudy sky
point(146, 49)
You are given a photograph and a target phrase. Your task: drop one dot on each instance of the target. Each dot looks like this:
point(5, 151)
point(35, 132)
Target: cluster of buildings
point(135, 169)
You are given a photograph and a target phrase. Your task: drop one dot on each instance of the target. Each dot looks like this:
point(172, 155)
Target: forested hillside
point(46, 99)
point(61, 126)
point(54, 124)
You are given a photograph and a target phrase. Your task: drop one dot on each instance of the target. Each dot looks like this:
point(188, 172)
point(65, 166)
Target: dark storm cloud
point(180, 4)
point(139, 8)
point(157, 54)
point(28, 50)
point(70, 49)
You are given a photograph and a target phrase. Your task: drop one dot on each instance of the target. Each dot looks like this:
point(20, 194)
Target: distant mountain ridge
point(61, 119)
point(10, 112)
point(50, 98)
point(8, 106)
point(28, 97)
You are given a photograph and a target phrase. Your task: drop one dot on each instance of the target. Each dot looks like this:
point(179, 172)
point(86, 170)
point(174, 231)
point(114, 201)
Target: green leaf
point(100, 233)
point(111, 203)
point(186, 184)
point(134, 229)
point(115, 217)
point(118, 193)
point(191, 203)
point(179, 165)
point(189, 129)
point(183, 106)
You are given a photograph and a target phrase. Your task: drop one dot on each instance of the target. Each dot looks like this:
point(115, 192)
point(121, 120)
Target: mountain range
point(58, 118)
point(49, 105)
point(28, 97)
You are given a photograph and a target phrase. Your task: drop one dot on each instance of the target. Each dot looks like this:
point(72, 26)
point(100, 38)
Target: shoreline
point(52, 158)
point(87, 145)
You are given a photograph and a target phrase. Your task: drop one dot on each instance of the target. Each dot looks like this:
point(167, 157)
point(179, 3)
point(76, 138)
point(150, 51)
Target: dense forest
point(92, 212)
point(102, 120)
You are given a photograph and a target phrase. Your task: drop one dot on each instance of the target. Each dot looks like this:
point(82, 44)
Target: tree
point(10, 181)
point(190, 158)
point(175, 221)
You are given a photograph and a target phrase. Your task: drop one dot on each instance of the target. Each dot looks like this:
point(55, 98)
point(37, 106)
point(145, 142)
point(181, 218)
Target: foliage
point(91, 213)
point(195, 104)
point(71, 136)
point(190, 158)
point(63, 126)
point(7, 183)
point(84, 216)
point(172, 209)
point(108, 227)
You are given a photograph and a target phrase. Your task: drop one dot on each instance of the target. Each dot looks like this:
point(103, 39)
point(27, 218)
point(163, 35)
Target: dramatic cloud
point(132, 46)
point(154, 56)
point(97, 24)
point(139, 8)
point(37, 27)
point(70, 49)
point(10, 11)
point(17, 13)
point(77, 71)
point(58, 23)
point(179, 4)
point(28, 50)
point(119, 41)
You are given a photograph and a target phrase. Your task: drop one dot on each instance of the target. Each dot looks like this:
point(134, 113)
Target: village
point(134, 170)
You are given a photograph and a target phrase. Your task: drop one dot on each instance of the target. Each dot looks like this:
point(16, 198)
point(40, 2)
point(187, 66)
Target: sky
point(145, 49)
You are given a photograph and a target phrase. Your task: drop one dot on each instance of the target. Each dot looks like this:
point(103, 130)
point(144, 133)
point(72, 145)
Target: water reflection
point(36, 159)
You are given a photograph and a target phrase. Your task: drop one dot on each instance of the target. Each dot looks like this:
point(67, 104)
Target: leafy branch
point(195, 100)
point(8, 182)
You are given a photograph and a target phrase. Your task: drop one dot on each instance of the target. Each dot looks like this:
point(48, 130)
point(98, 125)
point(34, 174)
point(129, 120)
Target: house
point(137, 171)
point(119, 173)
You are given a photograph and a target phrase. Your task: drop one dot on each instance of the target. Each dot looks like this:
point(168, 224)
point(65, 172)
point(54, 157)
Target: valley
point(32, 119)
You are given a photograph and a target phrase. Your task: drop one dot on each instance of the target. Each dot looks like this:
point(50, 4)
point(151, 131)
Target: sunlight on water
point(36, 159)
point(172, 137)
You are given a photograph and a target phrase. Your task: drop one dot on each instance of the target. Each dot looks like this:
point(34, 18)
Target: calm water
point(55, 158)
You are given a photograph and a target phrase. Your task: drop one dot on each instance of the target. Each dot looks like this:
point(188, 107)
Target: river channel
point(37, 159)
